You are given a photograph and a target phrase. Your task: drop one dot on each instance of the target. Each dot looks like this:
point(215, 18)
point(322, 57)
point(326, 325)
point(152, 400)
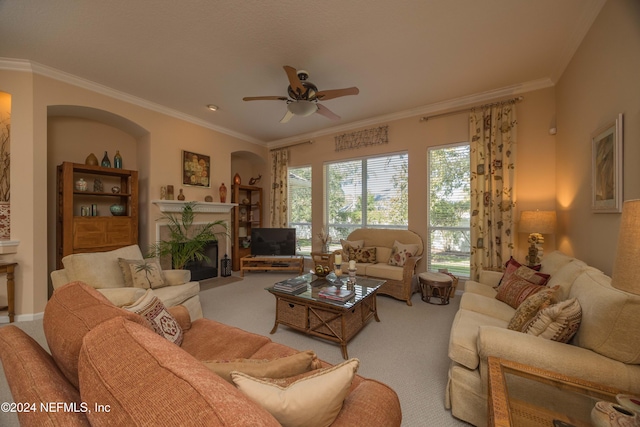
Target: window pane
point(380, 200)
point(449, 209)
point(300, 207)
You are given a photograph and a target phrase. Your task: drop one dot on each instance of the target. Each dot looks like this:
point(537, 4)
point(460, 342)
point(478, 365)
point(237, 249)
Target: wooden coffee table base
point(328, 321)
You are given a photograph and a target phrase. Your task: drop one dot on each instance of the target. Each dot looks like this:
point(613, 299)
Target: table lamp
point(536, 223)
point(626, 267)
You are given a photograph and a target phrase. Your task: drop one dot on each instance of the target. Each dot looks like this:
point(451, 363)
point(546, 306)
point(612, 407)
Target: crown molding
point(436, 108)
point(11, 64)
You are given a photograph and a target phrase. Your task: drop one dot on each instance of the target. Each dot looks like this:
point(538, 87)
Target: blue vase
point(106, 163)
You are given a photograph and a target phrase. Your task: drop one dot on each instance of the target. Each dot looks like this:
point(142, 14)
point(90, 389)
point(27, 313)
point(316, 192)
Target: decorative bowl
point(118, 210)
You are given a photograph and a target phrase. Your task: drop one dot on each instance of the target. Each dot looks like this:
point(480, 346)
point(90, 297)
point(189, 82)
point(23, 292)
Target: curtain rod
point(292, 145)
point(507, 101)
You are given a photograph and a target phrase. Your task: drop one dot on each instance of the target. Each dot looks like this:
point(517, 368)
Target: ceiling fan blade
point(294, 81)
point(324, 95)
point(327, 113)
point(287, 117)
point(265, 98)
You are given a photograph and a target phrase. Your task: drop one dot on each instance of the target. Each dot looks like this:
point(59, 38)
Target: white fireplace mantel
point(202, 207)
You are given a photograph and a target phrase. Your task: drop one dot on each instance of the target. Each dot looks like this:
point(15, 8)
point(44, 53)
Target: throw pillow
point(314, 401)
point(400, 253)
point(363, 254)
point(142, 273)
point(559, 322)
point(518, 287)
point(277, 368)
point(156, 314)
point(530, 307)
point(347, 245)
point(512, 265)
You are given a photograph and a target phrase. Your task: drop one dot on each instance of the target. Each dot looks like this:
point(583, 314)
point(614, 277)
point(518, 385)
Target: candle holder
point(352, 274)
point(338, 273)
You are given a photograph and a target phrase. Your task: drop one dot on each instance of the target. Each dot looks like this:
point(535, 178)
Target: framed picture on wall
point(196, 169)
point(606, 168)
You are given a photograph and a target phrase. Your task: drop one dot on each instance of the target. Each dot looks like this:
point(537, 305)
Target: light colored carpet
point(407, 350)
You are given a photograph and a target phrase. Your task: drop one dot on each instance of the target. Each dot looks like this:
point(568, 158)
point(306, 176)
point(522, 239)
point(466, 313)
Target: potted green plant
point(187, 241)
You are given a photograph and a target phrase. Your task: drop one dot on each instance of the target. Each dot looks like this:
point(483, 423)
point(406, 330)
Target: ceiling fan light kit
point(212, 107)
point(302, 108)
point(304, 97)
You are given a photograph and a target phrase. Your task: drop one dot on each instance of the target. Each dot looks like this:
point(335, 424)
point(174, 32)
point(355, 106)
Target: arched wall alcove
point(73, 133)
point(251, 165)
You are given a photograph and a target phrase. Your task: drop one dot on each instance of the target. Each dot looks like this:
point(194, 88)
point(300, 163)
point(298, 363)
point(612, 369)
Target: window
point(449, 209)
point(370, 192)
point(300, 207)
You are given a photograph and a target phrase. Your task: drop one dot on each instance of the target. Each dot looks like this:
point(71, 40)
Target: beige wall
point(159, 140)
point(601, 81)
point(535, 179)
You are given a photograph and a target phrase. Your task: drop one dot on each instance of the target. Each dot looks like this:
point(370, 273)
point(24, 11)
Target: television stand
point(272, 263)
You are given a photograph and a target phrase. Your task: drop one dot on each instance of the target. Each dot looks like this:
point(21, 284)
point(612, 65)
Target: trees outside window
point(300, 207)
point(449, 209)
point(370, 192)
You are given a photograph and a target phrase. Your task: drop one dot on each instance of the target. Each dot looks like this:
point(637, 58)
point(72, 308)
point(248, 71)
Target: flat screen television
point(273, 241)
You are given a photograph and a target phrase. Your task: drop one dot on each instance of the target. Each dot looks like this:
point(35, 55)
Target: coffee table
point(523, 395)
point(327, 319)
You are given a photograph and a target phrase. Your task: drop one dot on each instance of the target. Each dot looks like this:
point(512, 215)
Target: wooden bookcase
point(246, 215)
point(103, 231)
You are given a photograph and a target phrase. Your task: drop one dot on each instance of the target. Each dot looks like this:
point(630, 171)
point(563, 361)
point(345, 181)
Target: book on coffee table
point(292, 286)
point(336, 294)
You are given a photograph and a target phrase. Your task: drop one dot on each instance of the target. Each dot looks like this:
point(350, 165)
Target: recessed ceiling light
point(212, 107)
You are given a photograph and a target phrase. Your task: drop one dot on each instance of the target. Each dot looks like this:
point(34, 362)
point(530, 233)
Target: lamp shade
point(543, 222)
point(626, 268)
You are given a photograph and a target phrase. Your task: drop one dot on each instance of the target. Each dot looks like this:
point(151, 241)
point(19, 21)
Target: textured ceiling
point(403, 55)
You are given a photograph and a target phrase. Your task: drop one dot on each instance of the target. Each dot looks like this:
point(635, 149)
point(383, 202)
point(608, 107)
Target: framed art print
point(196, 169)
point(606, 168)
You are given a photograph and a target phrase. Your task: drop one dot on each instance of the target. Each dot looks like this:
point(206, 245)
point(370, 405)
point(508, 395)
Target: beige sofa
point(605, 349)
point(102, 272)
point(399, 280)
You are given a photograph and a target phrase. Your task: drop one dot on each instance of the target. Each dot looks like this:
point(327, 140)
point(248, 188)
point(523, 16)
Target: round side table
point(436, 285)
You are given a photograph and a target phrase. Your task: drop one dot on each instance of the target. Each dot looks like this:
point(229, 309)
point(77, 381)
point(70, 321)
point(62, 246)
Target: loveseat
point(387, 254)
point(605, 348)
point(104, 272)
point(108, 366)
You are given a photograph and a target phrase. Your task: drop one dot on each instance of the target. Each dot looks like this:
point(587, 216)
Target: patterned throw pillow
point(156, 314)
point(347, 245)
point(518, 287)
point(142, 273)
point(530, 307)
point(559, 322)
point(363, 254)
point(400, 253)
point(534, 277)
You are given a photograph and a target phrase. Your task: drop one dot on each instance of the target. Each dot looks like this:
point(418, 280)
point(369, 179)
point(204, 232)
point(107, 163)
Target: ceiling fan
point(304, 96)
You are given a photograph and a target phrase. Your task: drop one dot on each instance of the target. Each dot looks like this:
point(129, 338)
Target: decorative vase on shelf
point(223, 193)
point(236, 179)
point(169, 192)
point(81, 185)
point(106, 163)
point(181, 195)
point(117, 160)
point(118, 210)
point(91, 160)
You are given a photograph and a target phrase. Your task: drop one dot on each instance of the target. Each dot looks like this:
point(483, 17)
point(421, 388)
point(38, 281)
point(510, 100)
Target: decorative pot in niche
point(118, 210)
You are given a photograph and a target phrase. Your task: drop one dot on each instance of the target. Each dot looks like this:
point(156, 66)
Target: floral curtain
point(279, 188)
point(493, 142)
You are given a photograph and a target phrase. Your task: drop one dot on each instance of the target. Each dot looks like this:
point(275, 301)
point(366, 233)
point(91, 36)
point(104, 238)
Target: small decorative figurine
point(223, 193)
point(97, 186)
point(254, 181)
